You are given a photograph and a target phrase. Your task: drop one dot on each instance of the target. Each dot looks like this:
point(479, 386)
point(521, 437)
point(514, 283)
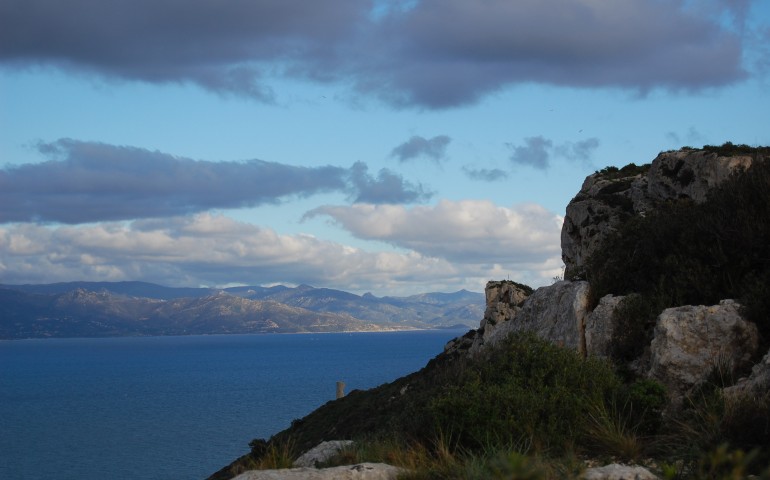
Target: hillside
point(654, 351)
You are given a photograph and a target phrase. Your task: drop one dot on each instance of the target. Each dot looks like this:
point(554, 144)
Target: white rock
point(689, 341)
point(321, 453)
point(361, 471)
point(616, 471)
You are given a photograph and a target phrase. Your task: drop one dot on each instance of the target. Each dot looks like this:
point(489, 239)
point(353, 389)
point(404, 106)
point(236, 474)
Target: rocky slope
point(684, 345)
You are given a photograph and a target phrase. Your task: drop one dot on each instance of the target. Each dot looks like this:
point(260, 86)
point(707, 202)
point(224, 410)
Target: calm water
point(177, 407)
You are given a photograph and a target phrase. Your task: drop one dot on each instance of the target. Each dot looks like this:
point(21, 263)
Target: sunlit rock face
point(691, 341)
point(610, 197)
point(556, 313)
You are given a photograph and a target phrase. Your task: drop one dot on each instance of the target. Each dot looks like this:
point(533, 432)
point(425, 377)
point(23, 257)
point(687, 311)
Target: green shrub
point(693, 254)
point(526, 390)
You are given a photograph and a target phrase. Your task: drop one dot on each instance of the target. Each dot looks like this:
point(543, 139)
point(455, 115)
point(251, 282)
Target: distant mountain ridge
point(100, 309)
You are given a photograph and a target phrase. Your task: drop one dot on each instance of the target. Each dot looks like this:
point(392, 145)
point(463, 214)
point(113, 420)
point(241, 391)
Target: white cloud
point(214, 250)
point(467, 231)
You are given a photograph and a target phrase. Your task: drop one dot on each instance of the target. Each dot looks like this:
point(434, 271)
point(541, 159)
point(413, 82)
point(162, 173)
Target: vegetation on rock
point(691, 254)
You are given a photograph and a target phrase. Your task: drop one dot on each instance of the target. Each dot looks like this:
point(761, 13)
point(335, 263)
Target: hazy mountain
point(90, 309)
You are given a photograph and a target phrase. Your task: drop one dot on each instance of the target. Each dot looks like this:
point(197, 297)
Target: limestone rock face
point(690, 174)
point(361, 471)
point(689, 341)
point(503, 302)
point(600, 326)
point(504, 299)
point(607, 199)
point(601, 205)
point(556, 313)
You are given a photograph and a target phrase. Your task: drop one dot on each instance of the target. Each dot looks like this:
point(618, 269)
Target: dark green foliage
point(645, 400)
point(728, 149)
point(630, 170)
point(689, 254)
point(634, 319)
point(526, 391)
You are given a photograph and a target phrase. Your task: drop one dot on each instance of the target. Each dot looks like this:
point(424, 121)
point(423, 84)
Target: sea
point(177, 407)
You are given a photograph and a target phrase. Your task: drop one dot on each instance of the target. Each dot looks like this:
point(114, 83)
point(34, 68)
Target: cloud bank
point(220, 251)
point(88, 182)
point(468, 231)
point(427, 53)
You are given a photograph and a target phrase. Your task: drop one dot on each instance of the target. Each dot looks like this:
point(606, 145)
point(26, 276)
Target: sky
point(392, 147)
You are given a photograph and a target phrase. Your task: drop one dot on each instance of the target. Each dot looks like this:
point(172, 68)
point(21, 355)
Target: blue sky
point(396, 147)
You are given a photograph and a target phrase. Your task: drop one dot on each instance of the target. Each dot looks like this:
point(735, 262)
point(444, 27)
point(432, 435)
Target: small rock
point(361, 471)
point(617, 471)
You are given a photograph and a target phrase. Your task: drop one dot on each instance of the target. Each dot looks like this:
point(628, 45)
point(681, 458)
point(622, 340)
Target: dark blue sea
point(177, 407)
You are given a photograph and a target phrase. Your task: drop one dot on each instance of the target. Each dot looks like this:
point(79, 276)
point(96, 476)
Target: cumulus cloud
point(537, 151)
point(428, 53)
point(468, 231)
point(87, 182)
point(214, 250)
point(433, 148)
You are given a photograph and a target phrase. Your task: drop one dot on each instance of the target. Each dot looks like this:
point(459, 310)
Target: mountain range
point(103, 309)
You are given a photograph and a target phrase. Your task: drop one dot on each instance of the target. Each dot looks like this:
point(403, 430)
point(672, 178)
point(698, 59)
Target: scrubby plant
point(525, 390)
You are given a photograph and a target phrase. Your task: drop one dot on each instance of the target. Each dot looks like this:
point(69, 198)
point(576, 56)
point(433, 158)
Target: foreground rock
point(691, 341)
point(361, 471)
point(321, 453)
point(616, 471)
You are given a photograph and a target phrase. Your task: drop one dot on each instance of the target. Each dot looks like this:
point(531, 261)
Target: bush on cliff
point(526, 392)
point(693, 254)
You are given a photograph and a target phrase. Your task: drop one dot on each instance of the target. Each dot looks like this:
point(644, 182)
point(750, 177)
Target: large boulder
point(690, 341)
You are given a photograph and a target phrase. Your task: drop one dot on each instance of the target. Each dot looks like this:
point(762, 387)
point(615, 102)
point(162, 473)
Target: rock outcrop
point(691, 341)
point(503, 301)
point(559, 313)
point(361, 471)
point(610, 197)
point(321, 453)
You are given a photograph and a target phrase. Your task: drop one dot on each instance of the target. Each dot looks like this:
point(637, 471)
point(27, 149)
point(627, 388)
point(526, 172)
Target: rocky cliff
point(684, 343)
point(675, 347)
point(612, 196)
